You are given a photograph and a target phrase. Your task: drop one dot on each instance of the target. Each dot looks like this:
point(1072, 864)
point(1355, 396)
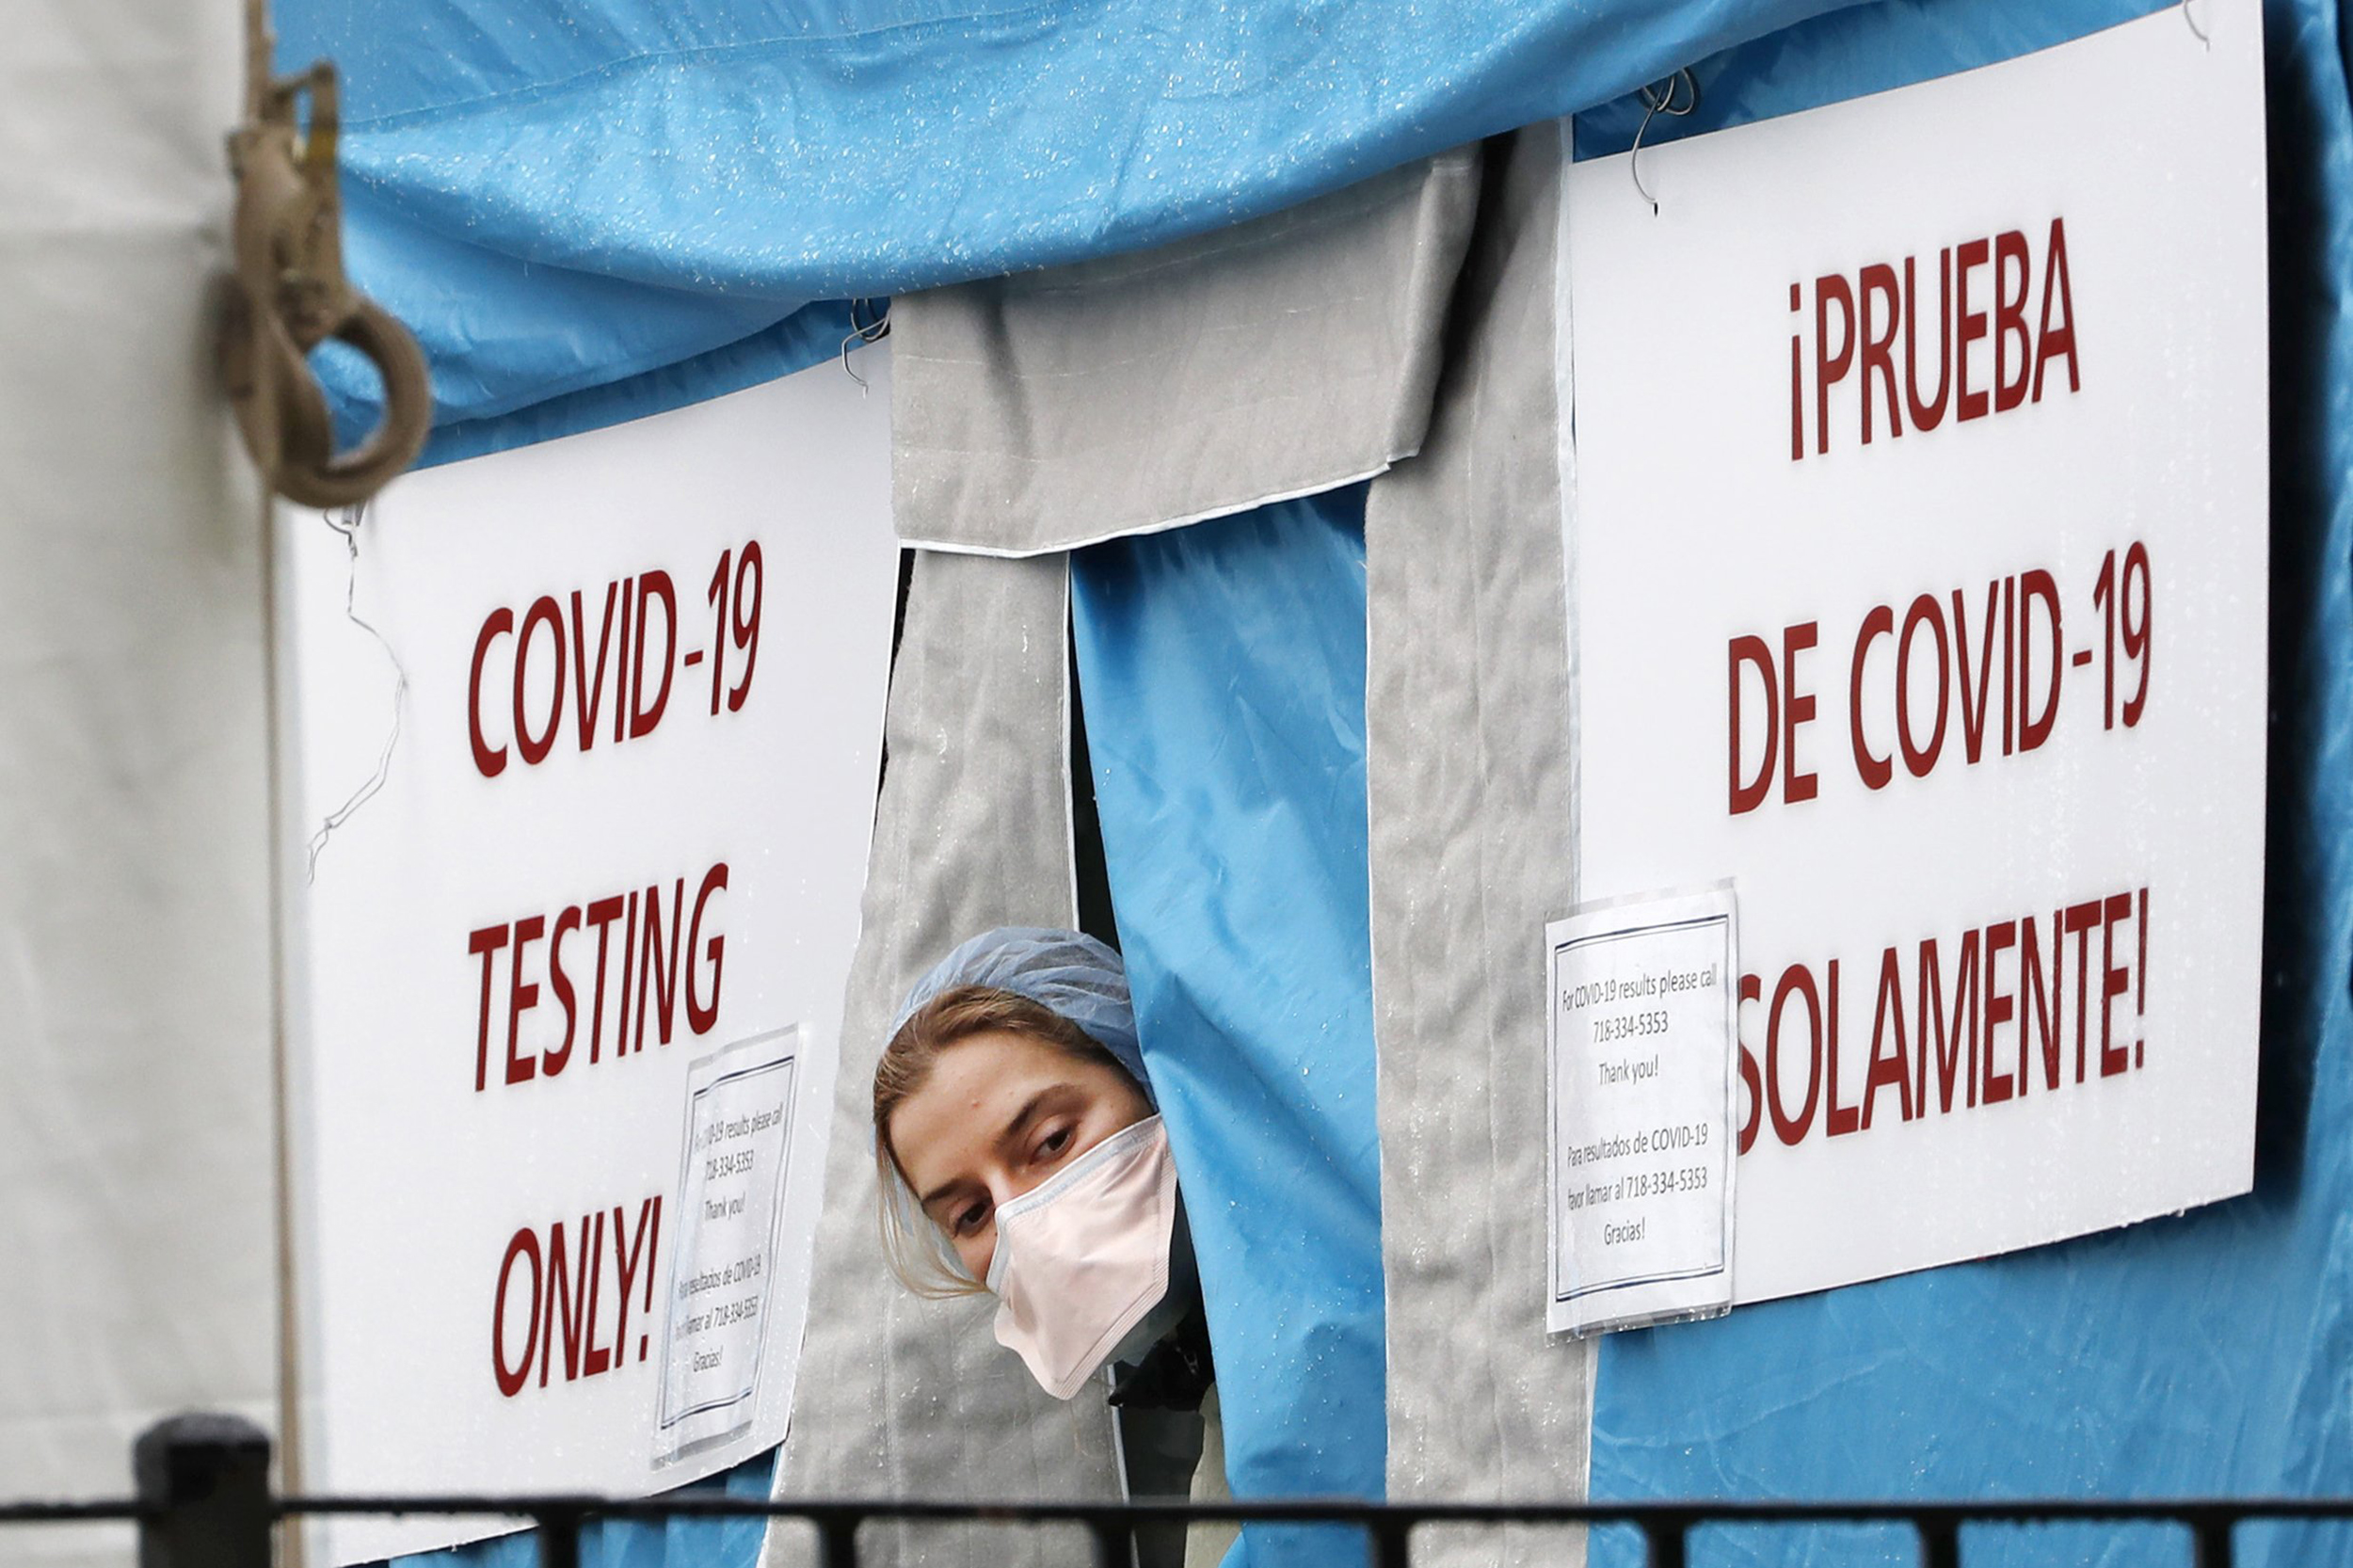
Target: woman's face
point(998, 1114)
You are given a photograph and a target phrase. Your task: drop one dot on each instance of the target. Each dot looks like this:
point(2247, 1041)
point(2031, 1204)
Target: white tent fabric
point(137, 1242)
point(900, 1397)
point(1467, 765)
point(1276, 359)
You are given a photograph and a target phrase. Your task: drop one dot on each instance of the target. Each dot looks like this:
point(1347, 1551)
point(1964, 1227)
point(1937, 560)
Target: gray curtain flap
point(1277, 358)
point(900, 1397)
point(1468, 765)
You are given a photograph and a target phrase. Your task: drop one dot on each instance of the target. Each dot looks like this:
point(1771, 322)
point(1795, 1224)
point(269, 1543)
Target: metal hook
point(863, 332)
point(346, 521)
point(1658, 99)
point(290, 293)
point(2199, 33)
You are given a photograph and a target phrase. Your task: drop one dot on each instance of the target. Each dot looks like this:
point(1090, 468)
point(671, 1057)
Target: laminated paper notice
point(739, 1116)
point(1644, 1073)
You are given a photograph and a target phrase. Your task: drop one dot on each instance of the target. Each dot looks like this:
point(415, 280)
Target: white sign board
point(1641, 1079)
point(567, 979)
point(1916, 550)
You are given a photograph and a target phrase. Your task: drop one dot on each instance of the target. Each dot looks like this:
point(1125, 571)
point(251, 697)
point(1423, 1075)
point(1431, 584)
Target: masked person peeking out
point(1021, 1153)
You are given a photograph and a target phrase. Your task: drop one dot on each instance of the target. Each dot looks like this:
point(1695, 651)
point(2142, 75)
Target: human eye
point(969, 1218)
point(1051, 1146)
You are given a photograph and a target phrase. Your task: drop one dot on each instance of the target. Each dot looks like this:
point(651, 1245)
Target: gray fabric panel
point(1467, 752)
point(900, 1397)
point(1277, 358)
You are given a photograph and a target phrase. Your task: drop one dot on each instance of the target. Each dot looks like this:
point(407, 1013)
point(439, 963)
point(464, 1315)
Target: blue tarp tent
point(589, 213)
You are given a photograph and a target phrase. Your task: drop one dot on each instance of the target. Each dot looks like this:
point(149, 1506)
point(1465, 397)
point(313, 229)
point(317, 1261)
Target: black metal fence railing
point(204, 1501)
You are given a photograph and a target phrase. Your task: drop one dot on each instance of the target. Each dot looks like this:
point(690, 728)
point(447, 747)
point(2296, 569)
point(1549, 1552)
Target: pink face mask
point(1083, 1257)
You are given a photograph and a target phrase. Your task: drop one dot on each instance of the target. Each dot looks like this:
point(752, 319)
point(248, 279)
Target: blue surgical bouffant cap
point(1073, 974)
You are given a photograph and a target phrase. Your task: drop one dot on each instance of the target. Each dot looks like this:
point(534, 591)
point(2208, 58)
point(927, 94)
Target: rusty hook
point(289, 295)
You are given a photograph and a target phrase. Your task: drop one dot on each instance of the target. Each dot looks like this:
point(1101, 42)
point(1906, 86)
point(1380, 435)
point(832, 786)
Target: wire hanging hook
point(863, 332)
point(347, 522)
point(1660, 98)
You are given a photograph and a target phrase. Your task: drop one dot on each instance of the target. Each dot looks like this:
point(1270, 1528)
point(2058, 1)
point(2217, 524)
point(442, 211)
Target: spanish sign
point(1641, 1079)
point(581, 746)
point(1916, 546)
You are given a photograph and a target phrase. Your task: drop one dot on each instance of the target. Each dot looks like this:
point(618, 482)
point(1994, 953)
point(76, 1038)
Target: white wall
point(138, 1262)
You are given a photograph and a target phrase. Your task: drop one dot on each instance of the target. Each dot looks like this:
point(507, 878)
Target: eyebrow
point(1021, 1119)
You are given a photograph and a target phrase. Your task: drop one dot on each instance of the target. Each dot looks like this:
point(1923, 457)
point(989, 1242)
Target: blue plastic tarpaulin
point(566, 195)
point(637, 1543)
point(1221, 669)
